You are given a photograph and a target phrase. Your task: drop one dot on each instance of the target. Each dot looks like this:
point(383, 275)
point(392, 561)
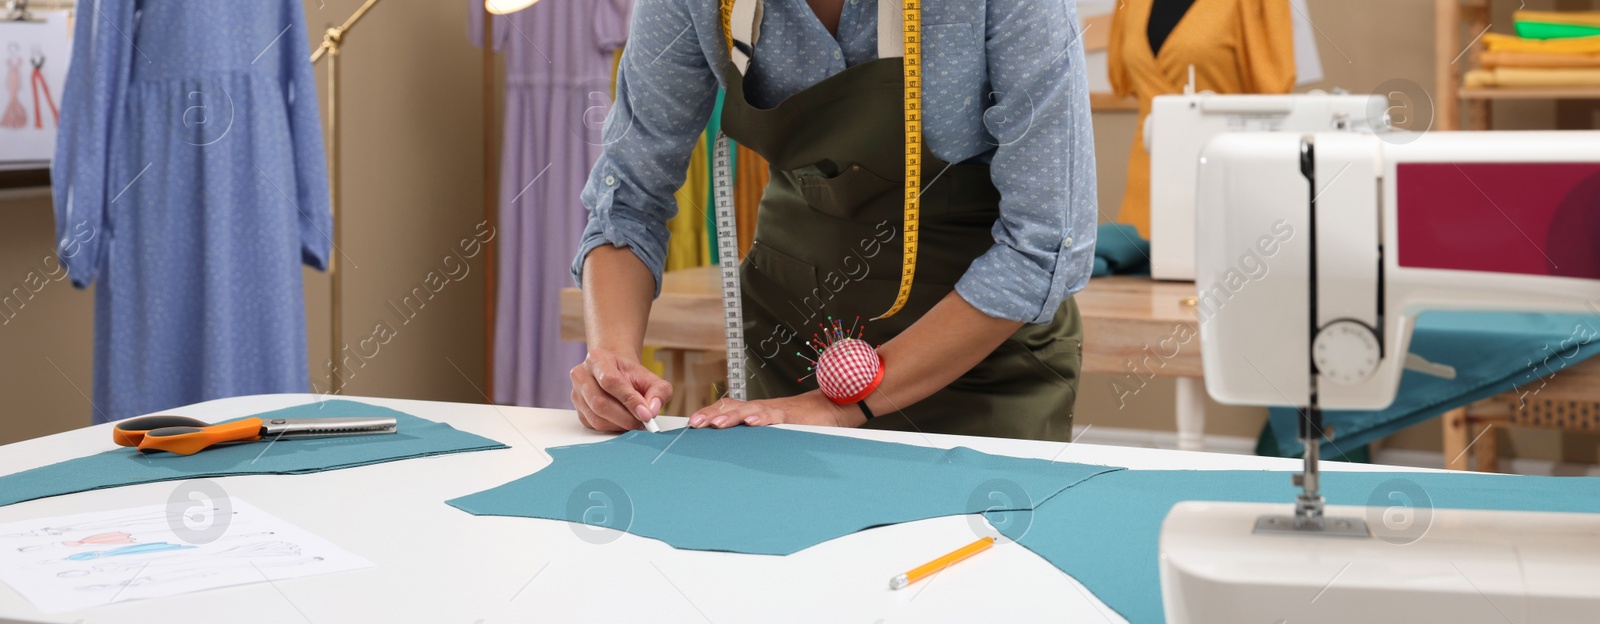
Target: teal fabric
point(1106, 532)
point(416, 437)
point(1267, 446)
point(773, 491)
point(1119, 250)
point(768, 491)
point(1492, 352)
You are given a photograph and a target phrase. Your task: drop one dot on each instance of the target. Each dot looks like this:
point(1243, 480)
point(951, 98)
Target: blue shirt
point(1003, 85)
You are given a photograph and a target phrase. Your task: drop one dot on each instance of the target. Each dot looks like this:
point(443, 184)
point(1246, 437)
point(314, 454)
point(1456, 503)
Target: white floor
point(1246, 446)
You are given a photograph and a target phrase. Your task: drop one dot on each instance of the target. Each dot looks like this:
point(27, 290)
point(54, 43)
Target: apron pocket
point(844, 195)
point(1059, 360)
point(783, 286)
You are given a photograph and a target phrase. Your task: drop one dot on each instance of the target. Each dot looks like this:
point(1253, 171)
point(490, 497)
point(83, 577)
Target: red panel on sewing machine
point(1523, 217)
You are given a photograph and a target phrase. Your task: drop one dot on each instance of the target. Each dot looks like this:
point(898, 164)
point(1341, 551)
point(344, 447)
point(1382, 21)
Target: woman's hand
point(810, 408)
point(615, 392)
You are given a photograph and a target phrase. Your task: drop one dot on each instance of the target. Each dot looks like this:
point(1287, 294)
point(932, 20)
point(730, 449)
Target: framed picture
point(33, 72)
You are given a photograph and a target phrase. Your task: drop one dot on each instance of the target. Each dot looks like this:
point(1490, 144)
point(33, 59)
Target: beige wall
point(412, 95)
point(413, 157)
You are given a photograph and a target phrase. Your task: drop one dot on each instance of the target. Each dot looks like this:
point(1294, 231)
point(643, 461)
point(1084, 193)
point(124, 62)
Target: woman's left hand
point(811, 408)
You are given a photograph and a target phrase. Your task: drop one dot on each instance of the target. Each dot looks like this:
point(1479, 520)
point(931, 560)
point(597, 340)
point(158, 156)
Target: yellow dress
point(686, 247)
point(1235, 46)
point(749, 182)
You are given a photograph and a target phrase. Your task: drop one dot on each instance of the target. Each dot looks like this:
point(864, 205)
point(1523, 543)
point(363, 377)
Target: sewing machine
point(1316, 254)
point(1178, 126)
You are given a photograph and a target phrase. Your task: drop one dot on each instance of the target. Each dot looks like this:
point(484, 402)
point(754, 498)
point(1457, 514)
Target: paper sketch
point(74, 562)
point(33, 70)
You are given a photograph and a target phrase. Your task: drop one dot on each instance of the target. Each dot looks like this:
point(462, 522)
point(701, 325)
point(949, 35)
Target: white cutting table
point(438, 564)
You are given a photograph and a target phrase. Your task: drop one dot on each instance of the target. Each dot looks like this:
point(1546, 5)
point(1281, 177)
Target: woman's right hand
point(615, 392)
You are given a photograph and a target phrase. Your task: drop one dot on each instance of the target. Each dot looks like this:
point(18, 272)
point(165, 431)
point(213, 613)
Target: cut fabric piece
point(774, 491)
point(768, 491)
point(1523, 348)
point(1119, 560)
point(417, 437)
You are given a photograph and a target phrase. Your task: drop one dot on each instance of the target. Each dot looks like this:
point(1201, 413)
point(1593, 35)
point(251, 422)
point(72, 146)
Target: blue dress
point(190, 184)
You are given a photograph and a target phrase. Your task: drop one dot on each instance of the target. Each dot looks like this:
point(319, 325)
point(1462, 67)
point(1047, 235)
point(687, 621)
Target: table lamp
point(502, 7)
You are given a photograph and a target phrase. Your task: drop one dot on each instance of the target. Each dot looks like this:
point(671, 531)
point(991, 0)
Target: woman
point(1232, 46)
point(989, 343)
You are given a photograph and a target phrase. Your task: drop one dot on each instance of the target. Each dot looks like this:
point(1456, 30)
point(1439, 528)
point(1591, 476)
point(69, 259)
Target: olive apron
point(827, 243)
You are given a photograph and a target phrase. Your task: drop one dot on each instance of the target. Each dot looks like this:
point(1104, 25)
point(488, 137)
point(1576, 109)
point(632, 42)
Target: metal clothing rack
point(332, 38)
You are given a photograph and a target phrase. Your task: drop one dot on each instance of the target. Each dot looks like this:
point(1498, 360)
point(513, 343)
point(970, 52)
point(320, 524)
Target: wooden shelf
point(1106, 101)
point(1530, 93)
point(1458, 33)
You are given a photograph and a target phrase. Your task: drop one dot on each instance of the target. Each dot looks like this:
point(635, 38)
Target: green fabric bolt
point(1545, 30)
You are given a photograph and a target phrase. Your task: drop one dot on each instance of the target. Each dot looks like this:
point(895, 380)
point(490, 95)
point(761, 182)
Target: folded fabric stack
point(1552, 49)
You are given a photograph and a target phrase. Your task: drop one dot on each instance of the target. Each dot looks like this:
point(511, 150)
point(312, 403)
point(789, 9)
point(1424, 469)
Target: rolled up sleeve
point(665, 93)
point(1043, 165)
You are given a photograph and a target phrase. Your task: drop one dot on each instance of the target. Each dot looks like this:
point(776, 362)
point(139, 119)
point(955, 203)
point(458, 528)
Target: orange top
point(1236, 46)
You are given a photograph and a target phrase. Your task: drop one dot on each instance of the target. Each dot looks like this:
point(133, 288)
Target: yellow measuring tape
point(911, 72)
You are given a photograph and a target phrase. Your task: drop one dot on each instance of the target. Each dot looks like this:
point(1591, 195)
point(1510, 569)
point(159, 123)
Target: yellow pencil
point(930, 568)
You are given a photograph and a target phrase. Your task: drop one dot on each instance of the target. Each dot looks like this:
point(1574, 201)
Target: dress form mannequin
point(1164, 16)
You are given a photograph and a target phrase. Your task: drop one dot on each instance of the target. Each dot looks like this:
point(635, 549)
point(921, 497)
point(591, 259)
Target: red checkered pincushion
point(849, 370)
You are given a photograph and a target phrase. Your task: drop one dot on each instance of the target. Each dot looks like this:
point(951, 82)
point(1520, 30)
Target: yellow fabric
point(1490, 60)
point(1235, 46)
point(1497, 42)
point(749, 180)
point(687, 246)
point(1532, 77)
point(1575, 18)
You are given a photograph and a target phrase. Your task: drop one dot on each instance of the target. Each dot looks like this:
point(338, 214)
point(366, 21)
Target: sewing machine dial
point(1346, 352)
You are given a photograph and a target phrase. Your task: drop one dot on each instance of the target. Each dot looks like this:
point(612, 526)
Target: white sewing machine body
point(1316, 254)
point(1449, 221)
point(1462, 566)
point(1180, 125)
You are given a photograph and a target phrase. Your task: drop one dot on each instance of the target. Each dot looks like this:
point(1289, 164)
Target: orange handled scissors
point(187, 436)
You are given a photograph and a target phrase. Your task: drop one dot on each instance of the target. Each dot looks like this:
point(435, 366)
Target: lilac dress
point(558, 93)
point(190, 184)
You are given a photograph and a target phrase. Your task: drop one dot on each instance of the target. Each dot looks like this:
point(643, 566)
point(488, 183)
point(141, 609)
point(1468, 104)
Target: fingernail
point(643, 412)
point(750, 420)
point(719, 421)
point(697, 420)
point(655, 405)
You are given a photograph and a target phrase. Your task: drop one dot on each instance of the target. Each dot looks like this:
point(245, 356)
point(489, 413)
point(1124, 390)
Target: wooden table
point(1134, 328)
